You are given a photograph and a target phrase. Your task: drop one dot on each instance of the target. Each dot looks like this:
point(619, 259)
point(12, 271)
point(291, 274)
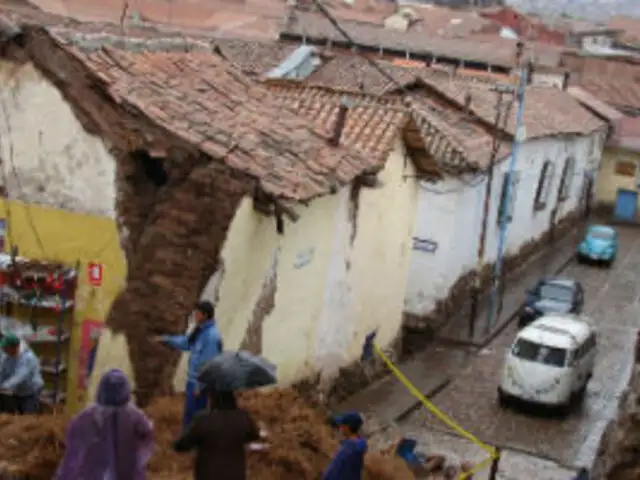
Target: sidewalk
point(551, 261)
point(431, 370)
point(388, 400)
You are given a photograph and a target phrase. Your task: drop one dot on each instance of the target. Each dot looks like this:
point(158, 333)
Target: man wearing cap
point(20, 374)
point(348, 462)
point(203, 342)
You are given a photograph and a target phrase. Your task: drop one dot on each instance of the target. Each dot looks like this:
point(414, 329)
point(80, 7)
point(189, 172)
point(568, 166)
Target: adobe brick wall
point(171, 234)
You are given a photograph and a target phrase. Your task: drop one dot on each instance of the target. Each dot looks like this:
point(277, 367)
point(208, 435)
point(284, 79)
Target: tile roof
point(448, 23)
point(371, 125)
point(317, 29)
point(568, 115)
point(204, 100)
point(452, 138)
point(461, 131)
point(595, 104)
point(630, 29)
point(627, 134)
point(253, 57)
point(618, 92)
point(357, 73)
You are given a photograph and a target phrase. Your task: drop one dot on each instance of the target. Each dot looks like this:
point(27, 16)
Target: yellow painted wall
point(382, 251)
point(69, 238)
point(608, 182)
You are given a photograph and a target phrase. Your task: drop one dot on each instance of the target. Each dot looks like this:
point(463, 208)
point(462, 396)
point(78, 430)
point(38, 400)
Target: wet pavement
point(613, 303)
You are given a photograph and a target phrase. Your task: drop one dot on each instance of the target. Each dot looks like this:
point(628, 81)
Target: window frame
point(510, 209)
point(543, 190)
point(564, 190)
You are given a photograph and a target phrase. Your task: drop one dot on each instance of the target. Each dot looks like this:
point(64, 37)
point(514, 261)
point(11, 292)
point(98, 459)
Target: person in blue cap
point(348, 462)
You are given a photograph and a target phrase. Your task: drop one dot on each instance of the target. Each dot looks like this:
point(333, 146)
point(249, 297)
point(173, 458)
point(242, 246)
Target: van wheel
point(581, 394)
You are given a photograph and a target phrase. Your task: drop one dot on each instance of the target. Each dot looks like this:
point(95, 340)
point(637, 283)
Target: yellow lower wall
point(71, 238)
point(609, 182)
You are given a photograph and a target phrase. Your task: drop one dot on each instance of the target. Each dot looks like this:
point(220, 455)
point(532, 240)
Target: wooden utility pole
point(495, 148)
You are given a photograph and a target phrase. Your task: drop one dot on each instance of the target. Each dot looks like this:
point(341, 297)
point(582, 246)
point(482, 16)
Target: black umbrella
point(237, 370)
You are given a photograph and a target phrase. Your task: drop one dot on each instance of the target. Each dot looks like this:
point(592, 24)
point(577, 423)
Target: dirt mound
point(301, 443)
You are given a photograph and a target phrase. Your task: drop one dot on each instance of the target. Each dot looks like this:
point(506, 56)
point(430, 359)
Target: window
point(558, 293)
point(535, 352)
point(544, 186)
point(625, 169)
point(567, 179)
point(505, 212)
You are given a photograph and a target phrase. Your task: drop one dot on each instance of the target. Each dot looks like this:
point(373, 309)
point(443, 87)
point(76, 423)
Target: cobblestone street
point(613, 302)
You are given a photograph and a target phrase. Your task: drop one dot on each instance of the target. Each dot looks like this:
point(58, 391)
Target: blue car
point(599, 245)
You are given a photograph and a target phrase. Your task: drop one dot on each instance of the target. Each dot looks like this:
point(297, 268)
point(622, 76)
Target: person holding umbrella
point(20, 375)
point(204, 343)
point(219, 438)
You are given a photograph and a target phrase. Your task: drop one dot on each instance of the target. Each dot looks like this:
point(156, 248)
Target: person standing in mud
point(203, 342)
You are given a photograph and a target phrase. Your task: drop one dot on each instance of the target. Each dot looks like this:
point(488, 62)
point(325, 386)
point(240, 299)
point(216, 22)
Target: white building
point(563, 143)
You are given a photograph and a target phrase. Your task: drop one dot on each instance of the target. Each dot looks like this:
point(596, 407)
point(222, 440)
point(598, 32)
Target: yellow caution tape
point(480, 466)
point(439, 414)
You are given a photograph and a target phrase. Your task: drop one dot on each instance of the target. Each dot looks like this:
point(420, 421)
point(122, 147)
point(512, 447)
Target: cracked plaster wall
point(57, 163)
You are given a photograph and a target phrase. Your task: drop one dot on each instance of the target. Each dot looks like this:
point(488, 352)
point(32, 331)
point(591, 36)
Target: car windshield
point(535, 352)
point(560, 293)
point(600, 234)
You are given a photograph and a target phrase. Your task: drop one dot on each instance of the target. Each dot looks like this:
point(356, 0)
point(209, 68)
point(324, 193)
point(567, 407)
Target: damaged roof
point(454, 140)
point(204, 100)
point(207, 102)
point(569, 116)
point(371, 125)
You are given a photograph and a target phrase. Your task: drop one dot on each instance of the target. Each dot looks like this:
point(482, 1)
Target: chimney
point(565, 80)
point(340, 122)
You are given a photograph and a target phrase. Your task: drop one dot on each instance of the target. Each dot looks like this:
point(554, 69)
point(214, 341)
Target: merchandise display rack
point(37, 304)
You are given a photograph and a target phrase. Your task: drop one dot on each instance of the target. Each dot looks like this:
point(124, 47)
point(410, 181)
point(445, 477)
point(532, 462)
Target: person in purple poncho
point(109, 440)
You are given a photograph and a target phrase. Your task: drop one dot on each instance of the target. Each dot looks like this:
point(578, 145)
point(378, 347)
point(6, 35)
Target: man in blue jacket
point(20, 374)
point(203, 343)
point(348, 462)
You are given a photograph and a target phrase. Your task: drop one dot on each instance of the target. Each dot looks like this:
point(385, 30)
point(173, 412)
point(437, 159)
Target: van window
point(559, 293)
point(535, 352)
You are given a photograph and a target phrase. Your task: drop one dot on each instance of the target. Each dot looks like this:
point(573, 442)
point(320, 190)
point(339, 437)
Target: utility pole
point(496, 279)
point(495, 147)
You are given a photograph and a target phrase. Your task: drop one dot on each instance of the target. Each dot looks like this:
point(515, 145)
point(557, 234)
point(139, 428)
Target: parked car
point(599, 245)
point(552, 295)
point(550, 362)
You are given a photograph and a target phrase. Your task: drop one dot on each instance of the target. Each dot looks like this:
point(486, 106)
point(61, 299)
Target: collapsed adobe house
point(187, 150)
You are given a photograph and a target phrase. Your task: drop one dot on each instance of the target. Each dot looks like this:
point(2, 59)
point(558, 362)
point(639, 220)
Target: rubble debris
point(300, 442)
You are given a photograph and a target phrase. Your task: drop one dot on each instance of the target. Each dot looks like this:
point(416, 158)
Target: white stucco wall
point(49, 158)
point(450, 214)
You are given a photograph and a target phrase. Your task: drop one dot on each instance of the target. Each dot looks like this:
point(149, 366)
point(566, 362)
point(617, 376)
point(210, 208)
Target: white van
point(550, 362)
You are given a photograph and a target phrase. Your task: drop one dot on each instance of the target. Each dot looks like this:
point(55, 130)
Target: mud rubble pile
point(618, 457)
point(300, 442)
